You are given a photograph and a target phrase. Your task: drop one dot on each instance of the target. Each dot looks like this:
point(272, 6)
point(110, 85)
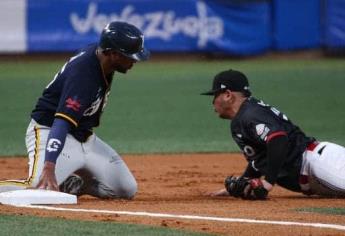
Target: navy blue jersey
point(254, 125)
point(78, 94)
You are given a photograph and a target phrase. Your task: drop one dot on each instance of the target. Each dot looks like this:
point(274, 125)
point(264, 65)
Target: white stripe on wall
point(12, 26)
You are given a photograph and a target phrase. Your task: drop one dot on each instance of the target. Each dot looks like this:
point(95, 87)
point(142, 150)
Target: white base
point(36, 197)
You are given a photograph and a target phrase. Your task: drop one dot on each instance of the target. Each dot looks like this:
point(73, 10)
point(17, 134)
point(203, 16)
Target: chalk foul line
point(188, 217)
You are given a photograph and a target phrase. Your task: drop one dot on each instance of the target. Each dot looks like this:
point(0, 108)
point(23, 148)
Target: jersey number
point(274, 110)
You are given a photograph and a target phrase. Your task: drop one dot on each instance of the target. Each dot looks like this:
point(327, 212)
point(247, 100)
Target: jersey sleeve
point(76, 95)
point(277, 150)
point(250, 172)
point(265, 125)
point(56, 139)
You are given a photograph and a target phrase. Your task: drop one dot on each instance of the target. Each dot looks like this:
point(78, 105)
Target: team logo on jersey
point(262, 130)
point(74, 104)
point(53, 145)
point(94, 107)
point(97, 103)
point(105, 100)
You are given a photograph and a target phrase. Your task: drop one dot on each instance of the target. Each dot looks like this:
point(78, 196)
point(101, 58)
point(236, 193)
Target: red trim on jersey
point(275, 134)
point(312, 146)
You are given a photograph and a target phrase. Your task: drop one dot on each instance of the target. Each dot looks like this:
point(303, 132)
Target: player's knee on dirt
point(125, 190)
point(129, 190)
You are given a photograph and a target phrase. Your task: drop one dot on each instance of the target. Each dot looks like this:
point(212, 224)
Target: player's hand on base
point(47, 178)
point(221, 192)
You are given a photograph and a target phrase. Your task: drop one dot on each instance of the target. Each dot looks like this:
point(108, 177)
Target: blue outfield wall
point(297, 24)
point(237, 27)
point(334, 23)
point(179, 25)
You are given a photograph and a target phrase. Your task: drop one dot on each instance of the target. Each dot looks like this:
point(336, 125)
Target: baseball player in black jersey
point(277, 151)
point(64, 152)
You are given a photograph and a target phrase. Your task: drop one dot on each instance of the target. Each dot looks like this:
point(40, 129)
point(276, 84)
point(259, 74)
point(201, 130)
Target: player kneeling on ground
point(276, 150)
point(60, 138)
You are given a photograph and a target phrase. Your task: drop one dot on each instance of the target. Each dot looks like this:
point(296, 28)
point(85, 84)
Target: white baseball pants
point(324, 167)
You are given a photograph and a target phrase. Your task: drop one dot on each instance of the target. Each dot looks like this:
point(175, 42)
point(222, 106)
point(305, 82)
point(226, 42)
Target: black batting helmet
point(125, 39)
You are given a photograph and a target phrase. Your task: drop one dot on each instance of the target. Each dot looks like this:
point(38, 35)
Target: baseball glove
point(246, 188)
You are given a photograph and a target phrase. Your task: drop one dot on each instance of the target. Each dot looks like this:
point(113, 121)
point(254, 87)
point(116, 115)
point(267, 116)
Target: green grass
point(30, 225)
point(324, 210)
point(156, 107)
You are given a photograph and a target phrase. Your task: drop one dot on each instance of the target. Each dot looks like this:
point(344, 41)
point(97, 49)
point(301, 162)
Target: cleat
point(72, 185)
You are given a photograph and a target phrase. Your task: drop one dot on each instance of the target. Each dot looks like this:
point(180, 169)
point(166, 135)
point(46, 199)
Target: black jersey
point(255, 124)
point(78, 94)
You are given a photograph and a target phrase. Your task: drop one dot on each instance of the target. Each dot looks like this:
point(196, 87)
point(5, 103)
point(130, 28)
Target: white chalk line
point(188, 217)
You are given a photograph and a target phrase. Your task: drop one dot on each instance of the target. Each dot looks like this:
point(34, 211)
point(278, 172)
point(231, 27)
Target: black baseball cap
point(230, 79)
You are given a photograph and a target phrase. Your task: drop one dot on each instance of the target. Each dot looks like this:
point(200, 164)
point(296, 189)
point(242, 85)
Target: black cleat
point(72, 185)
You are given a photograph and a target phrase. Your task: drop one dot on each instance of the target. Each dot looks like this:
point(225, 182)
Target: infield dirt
point(177, 184)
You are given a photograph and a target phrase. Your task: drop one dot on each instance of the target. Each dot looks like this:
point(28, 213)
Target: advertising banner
point(335, 24)
point(296, 24)
point(237, 27)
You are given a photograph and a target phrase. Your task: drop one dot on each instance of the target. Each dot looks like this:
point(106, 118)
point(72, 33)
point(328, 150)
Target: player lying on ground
point(60, 139)
point(276, 150)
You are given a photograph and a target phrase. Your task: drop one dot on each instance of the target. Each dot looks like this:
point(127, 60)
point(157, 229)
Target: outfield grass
point(36, 226)
point(156, 107)
point(324, 210)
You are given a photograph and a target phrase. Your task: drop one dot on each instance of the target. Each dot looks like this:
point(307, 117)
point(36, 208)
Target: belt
point(312, 146)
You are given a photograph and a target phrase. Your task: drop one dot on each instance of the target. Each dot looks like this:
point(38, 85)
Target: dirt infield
point(176, 184)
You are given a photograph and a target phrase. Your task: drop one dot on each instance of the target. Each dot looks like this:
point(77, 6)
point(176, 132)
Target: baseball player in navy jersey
point(277, 151)
point(64, 152)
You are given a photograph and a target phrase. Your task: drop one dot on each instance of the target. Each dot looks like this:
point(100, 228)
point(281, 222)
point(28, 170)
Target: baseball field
point(178, 149)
